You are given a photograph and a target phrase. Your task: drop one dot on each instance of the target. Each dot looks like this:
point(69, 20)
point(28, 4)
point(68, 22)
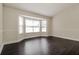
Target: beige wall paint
point(1, 27)
point(50, 21)
point(66, 23)
point(11, 24)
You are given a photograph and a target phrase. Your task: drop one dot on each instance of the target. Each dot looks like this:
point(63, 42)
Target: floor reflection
point(36, 47)
point(44, 46)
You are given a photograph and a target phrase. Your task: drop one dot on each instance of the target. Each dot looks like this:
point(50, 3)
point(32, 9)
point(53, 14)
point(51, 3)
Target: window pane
point(36, 29)
point(20, 20)
point(43, 29)
point(20, 24)
point(36, 26)
point(32, 25)
point(44, 25)
point(28, 22)
point(29, 29)
point(36, 23)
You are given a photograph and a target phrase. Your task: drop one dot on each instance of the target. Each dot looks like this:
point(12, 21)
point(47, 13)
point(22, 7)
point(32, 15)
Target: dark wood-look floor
point(42, 46)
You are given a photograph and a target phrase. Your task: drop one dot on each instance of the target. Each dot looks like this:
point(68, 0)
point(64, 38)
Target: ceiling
point(47, 9)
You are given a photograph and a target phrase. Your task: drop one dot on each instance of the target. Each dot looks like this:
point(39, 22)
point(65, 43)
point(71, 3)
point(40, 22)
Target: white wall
point(1, 24)
point(11, 24)
point(66, 23)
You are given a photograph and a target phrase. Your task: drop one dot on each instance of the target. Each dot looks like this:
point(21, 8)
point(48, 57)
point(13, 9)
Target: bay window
point(31, 25)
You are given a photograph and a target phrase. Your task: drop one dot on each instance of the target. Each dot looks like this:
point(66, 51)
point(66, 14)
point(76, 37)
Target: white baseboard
point(67, 38)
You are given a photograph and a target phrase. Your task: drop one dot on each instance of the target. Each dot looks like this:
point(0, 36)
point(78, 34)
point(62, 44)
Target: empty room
point(39, 28)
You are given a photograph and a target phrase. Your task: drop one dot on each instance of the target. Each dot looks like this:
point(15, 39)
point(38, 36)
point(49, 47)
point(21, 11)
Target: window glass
point(44, 25)
point(32, 26)
point(29, 29)
point(36, 23)
point(20, 25)
point(36, 29)
point(28, 22)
